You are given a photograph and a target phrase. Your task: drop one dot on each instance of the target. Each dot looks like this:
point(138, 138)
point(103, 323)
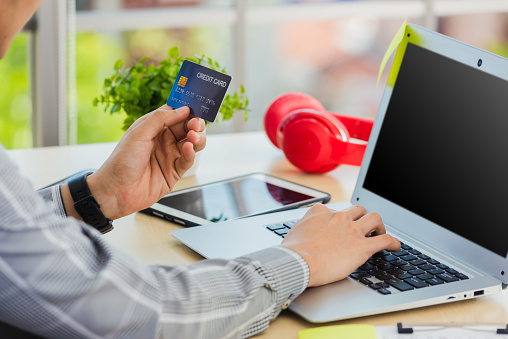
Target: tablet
point(238, 197)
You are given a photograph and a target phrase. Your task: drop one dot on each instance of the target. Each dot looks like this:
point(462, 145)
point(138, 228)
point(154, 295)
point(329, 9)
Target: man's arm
point(59, 278)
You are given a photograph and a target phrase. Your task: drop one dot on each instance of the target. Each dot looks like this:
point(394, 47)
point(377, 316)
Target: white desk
point(148, 238)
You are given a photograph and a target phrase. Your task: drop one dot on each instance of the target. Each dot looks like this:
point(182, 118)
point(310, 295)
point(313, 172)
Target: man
point(59, 279)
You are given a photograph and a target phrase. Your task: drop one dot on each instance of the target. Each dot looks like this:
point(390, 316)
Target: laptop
point(435, 171)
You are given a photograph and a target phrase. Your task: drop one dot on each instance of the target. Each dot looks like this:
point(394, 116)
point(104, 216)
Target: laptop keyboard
point(388, 272)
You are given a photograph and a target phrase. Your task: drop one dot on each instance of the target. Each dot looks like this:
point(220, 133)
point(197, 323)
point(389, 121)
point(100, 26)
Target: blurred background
point(329, 49)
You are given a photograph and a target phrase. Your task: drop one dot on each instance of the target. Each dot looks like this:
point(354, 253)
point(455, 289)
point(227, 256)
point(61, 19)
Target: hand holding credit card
point(200, 88)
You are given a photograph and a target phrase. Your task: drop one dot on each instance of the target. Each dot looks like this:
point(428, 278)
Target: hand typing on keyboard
point(334, 243)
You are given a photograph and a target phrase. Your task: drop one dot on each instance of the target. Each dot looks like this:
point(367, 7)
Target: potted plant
point(140, 89)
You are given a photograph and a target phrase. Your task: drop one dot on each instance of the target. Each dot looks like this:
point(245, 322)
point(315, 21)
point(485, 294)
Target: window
point(16, 103)
point(328, 49)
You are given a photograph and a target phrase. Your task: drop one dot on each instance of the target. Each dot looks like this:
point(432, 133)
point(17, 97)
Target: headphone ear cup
point(313, 141)
point(283, 106)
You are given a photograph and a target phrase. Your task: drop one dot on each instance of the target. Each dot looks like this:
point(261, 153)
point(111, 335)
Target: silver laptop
point(435, 169)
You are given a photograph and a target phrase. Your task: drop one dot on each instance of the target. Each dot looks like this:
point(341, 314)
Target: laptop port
point(158, 214)
point(480, 292)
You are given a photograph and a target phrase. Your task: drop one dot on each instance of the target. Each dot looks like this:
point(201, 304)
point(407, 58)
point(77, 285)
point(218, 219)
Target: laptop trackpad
point(347, 296)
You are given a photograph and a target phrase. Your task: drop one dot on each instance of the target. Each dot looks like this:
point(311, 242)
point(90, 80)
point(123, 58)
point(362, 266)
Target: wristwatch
point(86, 205)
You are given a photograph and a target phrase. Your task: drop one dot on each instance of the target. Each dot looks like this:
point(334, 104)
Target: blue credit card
point(200, 88)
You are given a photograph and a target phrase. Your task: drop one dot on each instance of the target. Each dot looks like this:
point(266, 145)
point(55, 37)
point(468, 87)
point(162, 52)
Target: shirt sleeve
point(53, 196)
point(59, 278)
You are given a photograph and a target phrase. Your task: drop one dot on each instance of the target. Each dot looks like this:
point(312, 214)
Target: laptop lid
point(435, 166)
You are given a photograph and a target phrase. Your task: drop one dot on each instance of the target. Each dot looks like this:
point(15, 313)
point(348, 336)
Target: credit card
point(200, 88)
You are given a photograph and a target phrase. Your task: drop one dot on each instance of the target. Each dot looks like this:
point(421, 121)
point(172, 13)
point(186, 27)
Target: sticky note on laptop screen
point(200, 88)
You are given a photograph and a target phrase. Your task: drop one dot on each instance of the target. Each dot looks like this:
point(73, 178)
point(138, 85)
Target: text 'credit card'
point(200, 88)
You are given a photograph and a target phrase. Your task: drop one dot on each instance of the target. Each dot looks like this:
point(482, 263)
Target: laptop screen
point(441, 151)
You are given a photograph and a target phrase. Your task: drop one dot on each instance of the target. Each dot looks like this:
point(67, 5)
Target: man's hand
point(147, 162)
point(334, 244)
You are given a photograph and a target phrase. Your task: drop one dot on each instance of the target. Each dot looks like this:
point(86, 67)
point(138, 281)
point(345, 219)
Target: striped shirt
point(60, 279)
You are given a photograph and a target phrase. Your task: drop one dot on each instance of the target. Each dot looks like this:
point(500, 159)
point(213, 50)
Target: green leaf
point(143, 59)
point(118, 65)
point(173, 52)
point(155, 86)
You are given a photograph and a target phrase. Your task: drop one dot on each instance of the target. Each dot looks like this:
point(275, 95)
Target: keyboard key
point(276, 227)
point(433, 261)
point(398, 262)
point(400, 253)
point(405, 246)
point(435, 271)
point(384, 276)
point(384, 291)
point(367, 266)
point(381, 254)
point(407, 267)
point(390, 257)
point(415, 252)
point(424, 256)
point(451, 271)
point(380, 285)
point(376, 261)
point(386, 266)
point(281, 232)
point(434, 281)
point(442, 266)
point(461, 276)
point(447, 277)
point(425, 276)
point(417, 262)
point(403, 276)
point(408, 257)
point(289, 224)
point(426, 267)
point(399, 284)
point(416, 271)
point(359, 275)
point(375, 271)
point(394, 271)
point(418, 283)
point(365, 281)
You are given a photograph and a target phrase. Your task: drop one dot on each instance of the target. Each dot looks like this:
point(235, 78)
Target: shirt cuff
point(53, 194)
point(286, 271)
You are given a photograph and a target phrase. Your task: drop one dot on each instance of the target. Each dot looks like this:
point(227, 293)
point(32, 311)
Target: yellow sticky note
point(393, 46)
point(339, 332)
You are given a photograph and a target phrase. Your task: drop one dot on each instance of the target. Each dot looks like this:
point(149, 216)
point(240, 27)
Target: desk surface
point(148, 238)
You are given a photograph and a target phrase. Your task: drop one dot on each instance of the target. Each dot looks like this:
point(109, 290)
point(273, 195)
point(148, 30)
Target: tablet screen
point(230, 200)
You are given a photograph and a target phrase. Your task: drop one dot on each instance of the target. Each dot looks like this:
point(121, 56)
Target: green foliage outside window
point(15, 100)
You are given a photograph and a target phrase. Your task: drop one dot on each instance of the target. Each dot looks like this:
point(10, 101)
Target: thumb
point(149, 127)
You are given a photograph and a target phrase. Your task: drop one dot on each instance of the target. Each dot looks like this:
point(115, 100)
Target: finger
point(355, 211)
point(149, 127)
point(371, 223)
point(383, 242)
point(198, 140)
point(183, 163)
point(195, 124)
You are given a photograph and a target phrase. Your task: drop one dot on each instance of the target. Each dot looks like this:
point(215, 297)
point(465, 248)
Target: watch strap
point(86, 205)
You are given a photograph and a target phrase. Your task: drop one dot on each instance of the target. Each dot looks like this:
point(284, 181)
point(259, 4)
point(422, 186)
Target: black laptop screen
point(442, 151)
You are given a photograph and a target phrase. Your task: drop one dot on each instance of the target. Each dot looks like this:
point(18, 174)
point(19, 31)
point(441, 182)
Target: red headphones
point(313, 139)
